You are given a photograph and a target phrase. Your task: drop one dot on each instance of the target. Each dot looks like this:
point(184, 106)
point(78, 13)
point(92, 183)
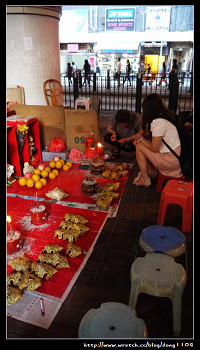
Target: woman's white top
point(162, 127)
point(119, 67)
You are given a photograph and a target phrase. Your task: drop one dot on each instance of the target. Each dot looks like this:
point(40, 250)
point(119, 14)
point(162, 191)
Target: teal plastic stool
point(159, 275)
point(112, 320)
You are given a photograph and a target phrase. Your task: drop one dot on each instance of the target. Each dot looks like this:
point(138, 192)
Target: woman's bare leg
point(142, 162)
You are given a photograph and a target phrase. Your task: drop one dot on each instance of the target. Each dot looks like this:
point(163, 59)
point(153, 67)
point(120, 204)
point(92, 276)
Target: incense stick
point(42, 307)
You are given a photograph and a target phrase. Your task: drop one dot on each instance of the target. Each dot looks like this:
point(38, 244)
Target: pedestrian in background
point(69, 72)
point(86, 69)
point(74, 68)
point(173, 87)
point(175, 66)
point(148, 72)
point(163, 74)
point(118, 71)
point(148, 69)
point(128, 69)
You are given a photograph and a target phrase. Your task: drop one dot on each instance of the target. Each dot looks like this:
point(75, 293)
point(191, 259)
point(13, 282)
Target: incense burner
point(38, 214)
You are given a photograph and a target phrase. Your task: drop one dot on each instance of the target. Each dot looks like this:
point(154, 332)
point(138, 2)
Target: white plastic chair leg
point(135, 285)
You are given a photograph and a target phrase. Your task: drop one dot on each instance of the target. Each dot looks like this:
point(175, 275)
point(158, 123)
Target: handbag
point(185, 159)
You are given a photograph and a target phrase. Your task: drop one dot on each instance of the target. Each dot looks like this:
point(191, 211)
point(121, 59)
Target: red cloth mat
point(37, 236)
point(70, 182)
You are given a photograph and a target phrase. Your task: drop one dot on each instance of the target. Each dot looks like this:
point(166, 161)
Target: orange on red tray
point(70, 182)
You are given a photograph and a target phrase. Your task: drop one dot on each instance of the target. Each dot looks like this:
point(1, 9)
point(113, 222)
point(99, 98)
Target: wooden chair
point(53, 92)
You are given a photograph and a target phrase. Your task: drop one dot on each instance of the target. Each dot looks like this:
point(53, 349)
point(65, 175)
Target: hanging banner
point(122, 19)
point(73, 25)
point(157, 18)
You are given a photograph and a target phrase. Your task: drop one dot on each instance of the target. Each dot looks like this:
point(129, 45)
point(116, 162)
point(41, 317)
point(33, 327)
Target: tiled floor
point(106, 275)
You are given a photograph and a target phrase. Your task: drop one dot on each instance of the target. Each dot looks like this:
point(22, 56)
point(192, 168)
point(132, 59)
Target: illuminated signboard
point(120, 19)
point(157, 18)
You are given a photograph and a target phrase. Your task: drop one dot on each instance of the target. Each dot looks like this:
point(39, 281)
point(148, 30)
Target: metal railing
point(129, 94)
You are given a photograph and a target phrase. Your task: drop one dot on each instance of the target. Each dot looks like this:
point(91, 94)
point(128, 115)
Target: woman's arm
point(153, 145)
point(134, 137)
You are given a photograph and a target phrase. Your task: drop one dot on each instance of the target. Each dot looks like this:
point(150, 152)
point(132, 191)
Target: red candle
point(99, 148)
point(14, 240)
point(9, 225)
point(38, 214)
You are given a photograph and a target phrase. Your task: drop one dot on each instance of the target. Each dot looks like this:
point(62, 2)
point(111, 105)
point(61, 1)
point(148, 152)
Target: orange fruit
point(38, 184)
point(69, 164)
point(62, 161)
point(52, 175)
point(36, 177)
point(30, 182)
point(36, 171)
point(22, 181)
point(52, 164)
point(44, 173)
point(43, 180)
point(66, 167)
point(59, 164)
point(55, 171)
point(47, 169)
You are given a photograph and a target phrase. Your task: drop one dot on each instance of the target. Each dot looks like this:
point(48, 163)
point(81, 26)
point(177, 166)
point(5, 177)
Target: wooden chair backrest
point(53, 92)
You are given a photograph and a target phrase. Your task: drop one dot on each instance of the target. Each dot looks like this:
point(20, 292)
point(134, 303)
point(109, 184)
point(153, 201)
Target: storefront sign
point(154, 50)
point(72, 47)
point(116, 51)
point(120, 19)
point(157, 18)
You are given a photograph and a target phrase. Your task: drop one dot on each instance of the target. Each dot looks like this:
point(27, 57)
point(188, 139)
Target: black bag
point(186, 156)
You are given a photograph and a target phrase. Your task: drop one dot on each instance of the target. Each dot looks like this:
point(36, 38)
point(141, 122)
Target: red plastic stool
point(181, 193)
point(162, 178)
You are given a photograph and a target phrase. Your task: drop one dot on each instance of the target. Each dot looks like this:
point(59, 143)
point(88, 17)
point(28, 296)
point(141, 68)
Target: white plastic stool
point(112, 320)
point(87, 102)
point(159, 275)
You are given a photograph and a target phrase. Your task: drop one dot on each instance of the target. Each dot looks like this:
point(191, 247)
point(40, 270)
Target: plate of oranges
point(42, 174)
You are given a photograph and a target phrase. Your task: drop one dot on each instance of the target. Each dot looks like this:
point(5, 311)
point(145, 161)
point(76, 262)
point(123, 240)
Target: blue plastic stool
point(163, 239)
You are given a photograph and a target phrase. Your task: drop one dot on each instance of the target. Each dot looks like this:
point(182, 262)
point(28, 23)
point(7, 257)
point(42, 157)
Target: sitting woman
point(153, 155)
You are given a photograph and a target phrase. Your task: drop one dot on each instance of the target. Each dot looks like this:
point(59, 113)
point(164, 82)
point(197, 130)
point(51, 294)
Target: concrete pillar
point(33, 49)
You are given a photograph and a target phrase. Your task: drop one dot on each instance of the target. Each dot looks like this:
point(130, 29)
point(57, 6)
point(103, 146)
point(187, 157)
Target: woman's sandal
point(139, 181)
